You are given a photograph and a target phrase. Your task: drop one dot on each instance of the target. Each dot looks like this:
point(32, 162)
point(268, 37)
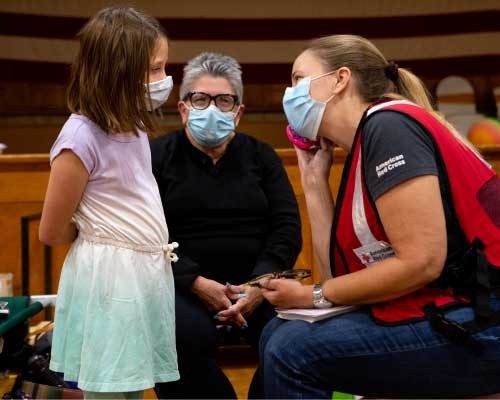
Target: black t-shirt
point(233, 220)
point(397, 148)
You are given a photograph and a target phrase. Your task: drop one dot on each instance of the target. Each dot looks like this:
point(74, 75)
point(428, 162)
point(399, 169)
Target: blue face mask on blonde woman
point(304, 113)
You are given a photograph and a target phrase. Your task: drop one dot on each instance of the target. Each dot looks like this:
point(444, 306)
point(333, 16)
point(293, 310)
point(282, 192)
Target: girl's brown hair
point(375, 77)
point(111, 68)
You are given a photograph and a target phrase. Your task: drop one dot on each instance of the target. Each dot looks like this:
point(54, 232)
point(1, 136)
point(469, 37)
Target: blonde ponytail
point(409, 86)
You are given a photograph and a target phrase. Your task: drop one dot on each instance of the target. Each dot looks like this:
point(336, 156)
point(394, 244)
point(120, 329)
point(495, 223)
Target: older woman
point(229, 204)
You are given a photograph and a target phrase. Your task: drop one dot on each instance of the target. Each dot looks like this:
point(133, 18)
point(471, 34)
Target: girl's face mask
point(304, 114)
point(159, 92)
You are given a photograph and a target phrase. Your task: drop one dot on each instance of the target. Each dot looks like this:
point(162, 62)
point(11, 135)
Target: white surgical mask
point(304, 114)
point(159, 92)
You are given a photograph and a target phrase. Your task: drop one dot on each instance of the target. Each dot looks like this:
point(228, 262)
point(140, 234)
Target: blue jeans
point(353, 354)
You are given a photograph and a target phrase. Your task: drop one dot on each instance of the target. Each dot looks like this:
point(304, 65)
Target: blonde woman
point(413, 239)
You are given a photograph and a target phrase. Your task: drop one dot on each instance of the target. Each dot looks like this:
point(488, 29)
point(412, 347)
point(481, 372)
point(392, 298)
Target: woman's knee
point(287, 346)
point(266, 334)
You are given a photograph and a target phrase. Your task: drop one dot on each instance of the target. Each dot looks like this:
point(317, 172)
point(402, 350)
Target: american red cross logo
point(366, 258)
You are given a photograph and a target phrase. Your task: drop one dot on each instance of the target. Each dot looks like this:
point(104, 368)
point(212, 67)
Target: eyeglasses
point(224, 102)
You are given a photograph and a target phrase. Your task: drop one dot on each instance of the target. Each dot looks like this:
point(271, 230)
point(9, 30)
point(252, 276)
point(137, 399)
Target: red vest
point(358, 237)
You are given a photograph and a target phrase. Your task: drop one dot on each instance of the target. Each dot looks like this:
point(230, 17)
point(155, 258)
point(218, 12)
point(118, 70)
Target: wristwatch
point(319, 301)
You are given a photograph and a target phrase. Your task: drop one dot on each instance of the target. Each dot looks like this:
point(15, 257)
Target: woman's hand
point(315, 169)
point(315, 164)
point(287, 293)
point(211, 293)
point(246, 299)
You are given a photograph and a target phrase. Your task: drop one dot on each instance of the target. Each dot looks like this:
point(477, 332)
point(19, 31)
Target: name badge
point(374, 252)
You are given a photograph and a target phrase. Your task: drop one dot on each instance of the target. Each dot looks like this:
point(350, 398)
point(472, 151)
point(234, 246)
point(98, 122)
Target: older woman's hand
point(315, 164)
point(287, 293)
point(246, 299)
point(211, 293)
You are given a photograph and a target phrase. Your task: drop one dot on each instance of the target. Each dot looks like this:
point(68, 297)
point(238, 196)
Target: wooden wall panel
point(10, 253)
point(16, 188)
point(37, 134)
point(32, 113)
point(23, 181)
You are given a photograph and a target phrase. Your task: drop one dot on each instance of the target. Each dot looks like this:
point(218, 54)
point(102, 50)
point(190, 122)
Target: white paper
point(313, 314)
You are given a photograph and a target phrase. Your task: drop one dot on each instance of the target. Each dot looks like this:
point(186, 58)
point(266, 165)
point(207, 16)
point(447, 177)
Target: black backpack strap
point(479, 324)
point(485, 317)
point(483, 285)
point(453, 331)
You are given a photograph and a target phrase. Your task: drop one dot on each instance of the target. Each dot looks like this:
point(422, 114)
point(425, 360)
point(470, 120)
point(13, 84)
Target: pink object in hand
point(299, 141)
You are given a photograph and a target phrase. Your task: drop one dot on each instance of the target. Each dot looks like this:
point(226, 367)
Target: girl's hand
point(287, 293)
point(315, 164)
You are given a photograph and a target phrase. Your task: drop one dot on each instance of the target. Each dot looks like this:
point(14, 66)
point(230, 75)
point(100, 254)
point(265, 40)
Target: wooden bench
point(23, 182)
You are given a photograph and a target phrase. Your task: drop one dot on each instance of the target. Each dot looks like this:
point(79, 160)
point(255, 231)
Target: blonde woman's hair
point(374, 76)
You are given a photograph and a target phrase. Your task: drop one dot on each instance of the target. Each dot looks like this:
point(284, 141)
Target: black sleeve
point(284, 242)
point(395, 148)
point(157, 158)
point(185, 270)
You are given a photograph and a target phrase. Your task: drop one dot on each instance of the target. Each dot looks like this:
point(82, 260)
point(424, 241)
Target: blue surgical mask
point(210, 127)
point(304, 114)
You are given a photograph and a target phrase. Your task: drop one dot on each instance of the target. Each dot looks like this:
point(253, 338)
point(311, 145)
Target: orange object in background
point(485, 131)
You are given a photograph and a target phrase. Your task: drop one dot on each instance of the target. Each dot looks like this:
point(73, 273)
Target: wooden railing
point(23, 182)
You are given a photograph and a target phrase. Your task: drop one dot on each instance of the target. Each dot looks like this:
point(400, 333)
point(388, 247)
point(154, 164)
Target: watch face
point(319, 300)
point(317, 292)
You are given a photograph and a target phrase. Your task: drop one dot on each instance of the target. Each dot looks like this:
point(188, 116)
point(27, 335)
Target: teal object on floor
point(20, 310)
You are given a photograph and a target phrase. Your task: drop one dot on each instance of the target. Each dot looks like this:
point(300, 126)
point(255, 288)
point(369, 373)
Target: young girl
point(115, 305)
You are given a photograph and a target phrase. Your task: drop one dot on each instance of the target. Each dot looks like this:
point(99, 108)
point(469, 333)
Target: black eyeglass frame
point(212, 98)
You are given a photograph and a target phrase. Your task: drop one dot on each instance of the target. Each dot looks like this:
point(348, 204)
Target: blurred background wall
point(454, 45)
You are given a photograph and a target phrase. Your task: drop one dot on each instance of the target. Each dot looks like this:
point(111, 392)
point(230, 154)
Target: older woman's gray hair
point(212, 64)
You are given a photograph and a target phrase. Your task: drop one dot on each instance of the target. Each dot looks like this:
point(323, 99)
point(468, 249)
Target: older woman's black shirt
point(233, 220)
